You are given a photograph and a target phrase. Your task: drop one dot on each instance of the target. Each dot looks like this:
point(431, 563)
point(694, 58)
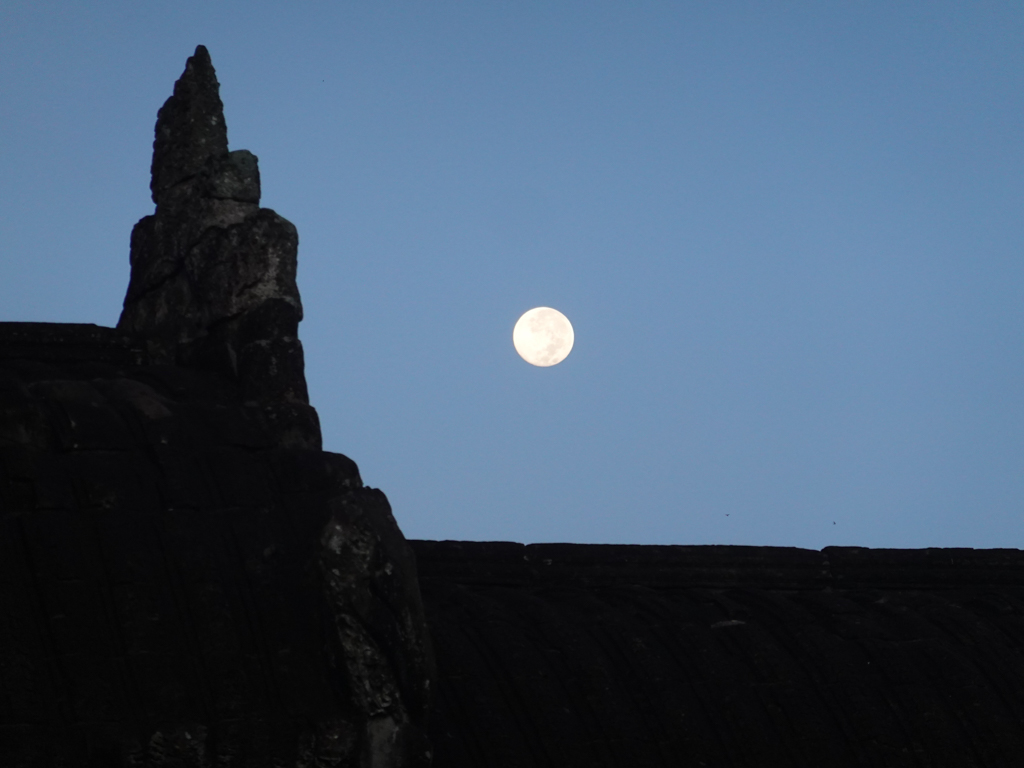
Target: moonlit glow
point(543, 337)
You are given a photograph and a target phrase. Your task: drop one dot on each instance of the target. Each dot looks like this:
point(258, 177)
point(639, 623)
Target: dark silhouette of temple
point(586, 655)
point(188, 580)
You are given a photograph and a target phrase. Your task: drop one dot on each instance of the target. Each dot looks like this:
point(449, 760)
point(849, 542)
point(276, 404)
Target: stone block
point(81, 417)
point(181, 481)
point(240, 478)
point(32, 479)
point(109, 480)
point(60, 545)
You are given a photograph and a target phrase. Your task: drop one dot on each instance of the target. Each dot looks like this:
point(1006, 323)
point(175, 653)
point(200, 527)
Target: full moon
point(543, 336)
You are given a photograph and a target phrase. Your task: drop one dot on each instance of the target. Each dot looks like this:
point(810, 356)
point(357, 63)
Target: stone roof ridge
point(668, 566)
point(67, 342)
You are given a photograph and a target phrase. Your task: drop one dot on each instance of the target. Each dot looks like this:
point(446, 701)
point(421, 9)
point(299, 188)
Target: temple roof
point(603, 655)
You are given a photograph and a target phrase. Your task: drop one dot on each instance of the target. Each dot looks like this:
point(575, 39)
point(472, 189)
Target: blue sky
point(789, 238)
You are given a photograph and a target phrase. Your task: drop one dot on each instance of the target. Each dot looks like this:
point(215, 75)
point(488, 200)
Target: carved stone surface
point(562, 655)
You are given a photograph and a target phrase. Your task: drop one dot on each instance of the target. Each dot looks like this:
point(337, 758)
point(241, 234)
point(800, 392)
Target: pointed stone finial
point(213, 274)
point(190, 127)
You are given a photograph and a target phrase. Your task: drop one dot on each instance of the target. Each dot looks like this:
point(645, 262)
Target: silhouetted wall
point(573, 655)
point(179, 589)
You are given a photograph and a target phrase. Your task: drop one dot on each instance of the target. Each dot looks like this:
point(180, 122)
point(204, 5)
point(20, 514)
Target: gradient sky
point(789, 237)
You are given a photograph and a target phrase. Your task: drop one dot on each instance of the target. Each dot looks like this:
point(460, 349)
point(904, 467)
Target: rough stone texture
point(186, 579)
point(190, 128)
point(213, 274)
point(574, 655)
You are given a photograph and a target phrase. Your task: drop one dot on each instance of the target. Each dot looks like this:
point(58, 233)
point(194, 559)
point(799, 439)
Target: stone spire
point(190, 127)
point(213, 274)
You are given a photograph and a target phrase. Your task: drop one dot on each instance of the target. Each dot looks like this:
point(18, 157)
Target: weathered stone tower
point(186, 579)
point(213, 274)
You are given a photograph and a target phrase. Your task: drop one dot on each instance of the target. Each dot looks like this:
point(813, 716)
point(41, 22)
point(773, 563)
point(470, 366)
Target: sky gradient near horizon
point(789, 238)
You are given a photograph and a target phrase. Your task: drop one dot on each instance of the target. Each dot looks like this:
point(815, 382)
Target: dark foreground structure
point(576, 655)
point(187, 580)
